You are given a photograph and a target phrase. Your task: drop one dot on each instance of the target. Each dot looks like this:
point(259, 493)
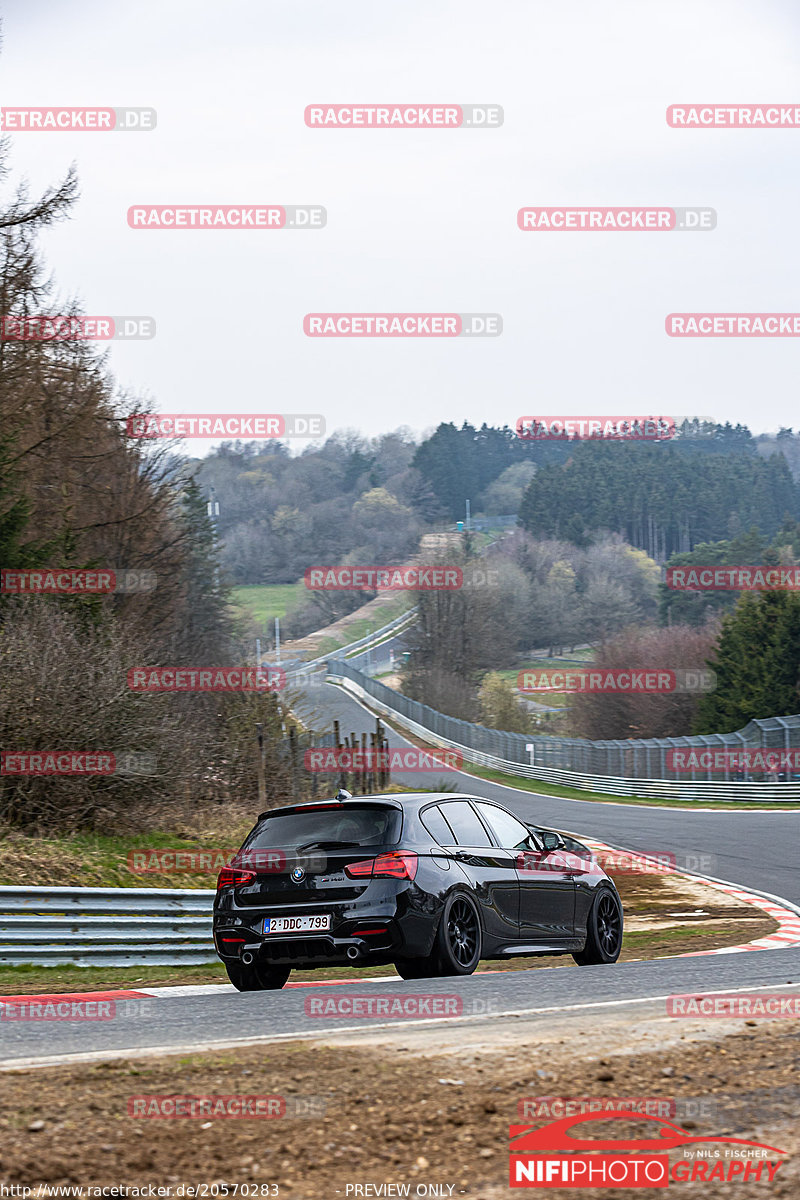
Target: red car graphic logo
point(530, 1139)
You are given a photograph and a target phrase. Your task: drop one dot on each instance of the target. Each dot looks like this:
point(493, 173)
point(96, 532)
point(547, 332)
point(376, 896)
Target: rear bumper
point(387, 932)
point(353, 939)
point(317, 949)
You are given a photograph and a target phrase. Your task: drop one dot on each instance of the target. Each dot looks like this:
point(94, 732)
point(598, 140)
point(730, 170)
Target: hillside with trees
point(74, 492)
point(750, 549)
point(663, 498)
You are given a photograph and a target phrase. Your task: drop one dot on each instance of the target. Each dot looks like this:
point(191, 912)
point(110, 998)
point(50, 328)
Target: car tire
point(459, 940)
point(603, 930)
point(256, 978)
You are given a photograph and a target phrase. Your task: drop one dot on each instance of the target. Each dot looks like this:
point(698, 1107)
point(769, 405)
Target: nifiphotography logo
point(553, 1156)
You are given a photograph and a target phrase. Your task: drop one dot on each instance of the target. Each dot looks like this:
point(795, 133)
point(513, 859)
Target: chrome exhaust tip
point(248, 958)
point(353, 952)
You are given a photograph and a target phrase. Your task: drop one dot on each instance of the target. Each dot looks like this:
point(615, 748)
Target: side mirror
point(551, 841)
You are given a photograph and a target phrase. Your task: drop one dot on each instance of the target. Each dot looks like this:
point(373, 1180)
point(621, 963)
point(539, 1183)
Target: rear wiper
point(327, 845)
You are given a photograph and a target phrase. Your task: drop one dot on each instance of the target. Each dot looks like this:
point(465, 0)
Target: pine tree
point(757, 664)
point(15, 511)
point(206, 632)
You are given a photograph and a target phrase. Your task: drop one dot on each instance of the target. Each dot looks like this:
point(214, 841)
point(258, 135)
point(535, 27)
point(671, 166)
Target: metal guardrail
point(579, 763)
point(396, 626)
point(112, 927)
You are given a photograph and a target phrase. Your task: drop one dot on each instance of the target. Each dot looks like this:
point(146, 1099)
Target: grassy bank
point(265, 602)
point(89, 860)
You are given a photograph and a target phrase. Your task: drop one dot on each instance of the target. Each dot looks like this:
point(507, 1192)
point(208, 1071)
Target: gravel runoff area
point(423, 1107)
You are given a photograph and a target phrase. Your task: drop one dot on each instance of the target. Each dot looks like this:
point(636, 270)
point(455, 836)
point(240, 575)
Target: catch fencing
point(636, 767)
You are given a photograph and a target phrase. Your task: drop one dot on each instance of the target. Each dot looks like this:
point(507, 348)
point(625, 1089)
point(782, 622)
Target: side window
point(437, 827)
point(510, 833)
point(465, 823)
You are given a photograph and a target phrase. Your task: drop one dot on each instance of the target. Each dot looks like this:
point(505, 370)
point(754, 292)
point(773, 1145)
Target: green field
point(264, 602)
point(551, 699)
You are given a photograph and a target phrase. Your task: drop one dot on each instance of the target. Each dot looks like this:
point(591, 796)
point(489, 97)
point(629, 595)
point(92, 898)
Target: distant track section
point(568, 761)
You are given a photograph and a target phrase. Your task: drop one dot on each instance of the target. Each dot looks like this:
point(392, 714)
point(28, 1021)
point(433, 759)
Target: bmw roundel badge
point(298, 874)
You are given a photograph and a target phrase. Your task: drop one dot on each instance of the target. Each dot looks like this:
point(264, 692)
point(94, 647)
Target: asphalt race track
point(190, 1022)
point(756, 850)
point(753, 849)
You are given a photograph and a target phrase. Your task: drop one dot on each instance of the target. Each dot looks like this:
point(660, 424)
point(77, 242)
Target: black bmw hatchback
point(431, 883)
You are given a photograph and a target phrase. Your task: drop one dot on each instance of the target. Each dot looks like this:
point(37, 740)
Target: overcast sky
point(424, 220)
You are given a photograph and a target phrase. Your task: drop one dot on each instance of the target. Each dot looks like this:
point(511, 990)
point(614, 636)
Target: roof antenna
point(343, 795)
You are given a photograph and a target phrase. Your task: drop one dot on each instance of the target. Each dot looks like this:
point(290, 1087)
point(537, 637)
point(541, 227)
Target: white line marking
point(311, 1035)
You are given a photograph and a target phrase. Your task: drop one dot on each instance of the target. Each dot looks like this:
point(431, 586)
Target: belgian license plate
point(307, 924)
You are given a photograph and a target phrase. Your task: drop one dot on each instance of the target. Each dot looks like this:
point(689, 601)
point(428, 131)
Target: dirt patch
point(392, 680)
point(358, 1115)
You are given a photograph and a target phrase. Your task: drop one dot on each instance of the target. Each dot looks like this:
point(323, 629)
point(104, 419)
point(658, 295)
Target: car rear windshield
point(366, 825)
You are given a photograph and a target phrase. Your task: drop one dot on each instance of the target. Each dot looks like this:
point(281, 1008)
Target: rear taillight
point(399, 865)
point(230, 877)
